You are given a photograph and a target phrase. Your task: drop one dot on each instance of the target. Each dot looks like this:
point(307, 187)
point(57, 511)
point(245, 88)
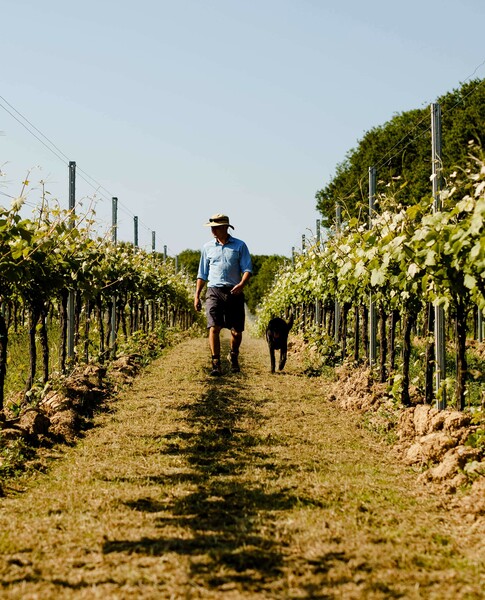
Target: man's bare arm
point(198, 290)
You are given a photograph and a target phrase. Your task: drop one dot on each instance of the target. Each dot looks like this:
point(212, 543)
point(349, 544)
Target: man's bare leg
point(215, 341)
point(215, 348)
point(236, 339)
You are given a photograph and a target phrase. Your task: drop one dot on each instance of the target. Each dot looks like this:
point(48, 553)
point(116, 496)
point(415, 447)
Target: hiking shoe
point(233, 357)
point(216, 368)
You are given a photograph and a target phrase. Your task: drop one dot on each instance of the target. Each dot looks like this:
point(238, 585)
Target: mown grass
point(247, 486)
point(147, 345)
point(18, 363)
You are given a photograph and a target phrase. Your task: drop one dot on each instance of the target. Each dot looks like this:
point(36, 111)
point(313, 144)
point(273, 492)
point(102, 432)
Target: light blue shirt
point(223, 265)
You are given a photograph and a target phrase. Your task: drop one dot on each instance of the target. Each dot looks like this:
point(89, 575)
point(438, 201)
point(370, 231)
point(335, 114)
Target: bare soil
point(251, 485)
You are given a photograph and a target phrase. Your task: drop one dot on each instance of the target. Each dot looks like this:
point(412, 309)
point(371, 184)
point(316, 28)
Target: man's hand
point(237, 289)
point(198, 291)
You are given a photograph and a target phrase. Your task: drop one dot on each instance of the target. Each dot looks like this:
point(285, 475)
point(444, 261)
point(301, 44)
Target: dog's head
point(279, 328)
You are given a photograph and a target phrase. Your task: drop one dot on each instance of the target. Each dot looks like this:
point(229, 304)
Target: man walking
point(225, 265)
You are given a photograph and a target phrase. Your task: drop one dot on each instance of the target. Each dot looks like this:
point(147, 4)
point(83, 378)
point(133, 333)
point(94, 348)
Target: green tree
point(189, 261)
point(264, 271)
point(401, 151)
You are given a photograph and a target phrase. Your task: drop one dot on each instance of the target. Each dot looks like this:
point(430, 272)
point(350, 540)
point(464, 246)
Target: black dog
point(277, 338)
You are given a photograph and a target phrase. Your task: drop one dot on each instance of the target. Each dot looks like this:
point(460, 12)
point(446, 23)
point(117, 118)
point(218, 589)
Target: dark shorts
point(224, 309)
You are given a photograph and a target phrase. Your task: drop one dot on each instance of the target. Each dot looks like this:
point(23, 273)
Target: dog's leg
point(272, 357)
point(269, 339)
point(283, 353)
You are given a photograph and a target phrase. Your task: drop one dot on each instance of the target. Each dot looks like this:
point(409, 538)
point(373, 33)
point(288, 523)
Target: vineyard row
point(407, 260)
point(116, 288)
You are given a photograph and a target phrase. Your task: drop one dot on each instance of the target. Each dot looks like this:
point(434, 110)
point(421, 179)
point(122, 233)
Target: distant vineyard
point(117, 289)
point(409, 259)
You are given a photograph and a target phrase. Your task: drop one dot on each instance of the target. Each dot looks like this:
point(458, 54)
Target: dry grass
point(248, 486)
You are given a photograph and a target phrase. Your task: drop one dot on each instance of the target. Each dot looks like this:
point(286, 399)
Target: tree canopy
point(264, 272)
point(401, 152)
point(188, 260)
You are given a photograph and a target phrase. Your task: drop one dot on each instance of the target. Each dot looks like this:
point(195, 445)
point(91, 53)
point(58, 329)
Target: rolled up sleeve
point(245, 260)
point(203, 272)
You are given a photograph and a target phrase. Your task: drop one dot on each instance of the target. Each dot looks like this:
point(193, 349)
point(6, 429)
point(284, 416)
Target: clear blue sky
point(185, 108)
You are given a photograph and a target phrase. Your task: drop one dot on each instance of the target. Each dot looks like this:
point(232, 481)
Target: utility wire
point(56, 151)
point(425, 119)
point(59, 154)
point(31, 132)
point(387, 158)
point(34, 127)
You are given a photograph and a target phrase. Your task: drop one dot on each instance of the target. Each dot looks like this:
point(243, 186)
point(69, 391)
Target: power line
point(31, 132)
point(58, 150)
point(34, 127)
point(479, 66)
point(388, 156)
point(59, 154)
point(466, 95)
point(425, 119)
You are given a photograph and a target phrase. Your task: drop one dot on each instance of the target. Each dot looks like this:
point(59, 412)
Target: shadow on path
point(227, 520)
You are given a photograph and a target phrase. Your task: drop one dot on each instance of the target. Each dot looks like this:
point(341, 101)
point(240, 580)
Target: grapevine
point(407, 259)
point(45, 258)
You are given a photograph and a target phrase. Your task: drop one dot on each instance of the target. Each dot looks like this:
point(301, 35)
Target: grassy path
point(249, 486)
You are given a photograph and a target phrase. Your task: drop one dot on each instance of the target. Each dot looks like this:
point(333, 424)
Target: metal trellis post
point(135, 227)
point(439, 323)
point(71, 296)
point(372, 307)
point(318, 317)
point(114, 220)
point(114, 238)
point(338, 222)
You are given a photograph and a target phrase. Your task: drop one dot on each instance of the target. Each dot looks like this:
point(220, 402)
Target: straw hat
point(218, 219)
